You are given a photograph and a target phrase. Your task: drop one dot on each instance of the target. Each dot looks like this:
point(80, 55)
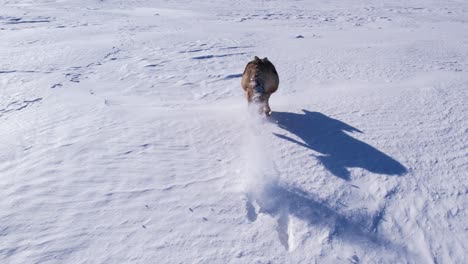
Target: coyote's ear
point(256, 58)
point(265, 59)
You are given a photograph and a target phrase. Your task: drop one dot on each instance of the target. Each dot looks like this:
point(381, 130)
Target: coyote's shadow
point(339, 150)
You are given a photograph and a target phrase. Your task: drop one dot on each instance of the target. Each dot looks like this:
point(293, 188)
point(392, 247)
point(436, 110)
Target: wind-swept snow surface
point(125, 135)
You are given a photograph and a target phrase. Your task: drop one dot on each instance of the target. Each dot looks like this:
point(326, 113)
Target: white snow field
point(125, 135)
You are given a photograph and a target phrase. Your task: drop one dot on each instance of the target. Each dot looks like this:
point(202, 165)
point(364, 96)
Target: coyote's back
point(259, 81)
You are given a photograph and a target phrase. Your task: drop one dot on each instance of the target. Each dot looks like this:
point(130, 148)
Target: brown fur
point(259, 81)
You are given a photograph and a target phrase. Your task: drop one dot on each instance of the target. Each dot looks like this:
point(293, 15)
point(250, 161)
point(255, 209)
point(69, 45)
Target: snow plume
point(260, 170)
point(261, 178)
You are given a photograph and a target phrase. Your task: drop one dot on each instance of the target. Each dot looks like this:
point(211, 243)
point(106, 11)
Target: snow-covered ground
point(125, 135)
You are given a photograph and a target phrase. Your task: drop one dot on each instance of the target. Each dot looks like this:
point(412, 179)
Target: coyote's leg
point(248, 95)
point(266, 106)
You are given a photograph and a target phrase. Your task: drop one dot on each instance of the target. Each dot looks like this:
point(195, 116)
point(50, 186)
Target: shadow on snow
point(281, 201)
point(339, 150)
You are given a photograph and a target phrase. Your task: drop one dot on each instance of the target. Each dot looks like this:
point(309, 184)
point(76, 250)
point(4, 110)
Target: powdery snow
point(126, 137)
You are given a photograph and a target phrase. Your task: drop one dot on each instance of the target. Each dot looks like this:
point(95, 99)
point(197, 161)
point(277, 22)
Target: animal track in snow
point(77, 73)
point(233, 76)
point(74, 77)
point(20, 20)
point(18, 105)
point(111, 54)
point(17, 71)
point(217, 56)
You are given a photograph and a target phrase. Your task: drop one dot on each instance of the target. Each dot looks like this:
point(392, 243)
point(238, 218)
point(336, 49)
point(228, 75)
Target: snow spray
point(260, 171)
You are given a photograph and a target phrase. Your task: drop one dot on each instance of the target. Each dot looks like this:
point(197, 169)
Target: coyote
point(259, 81)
